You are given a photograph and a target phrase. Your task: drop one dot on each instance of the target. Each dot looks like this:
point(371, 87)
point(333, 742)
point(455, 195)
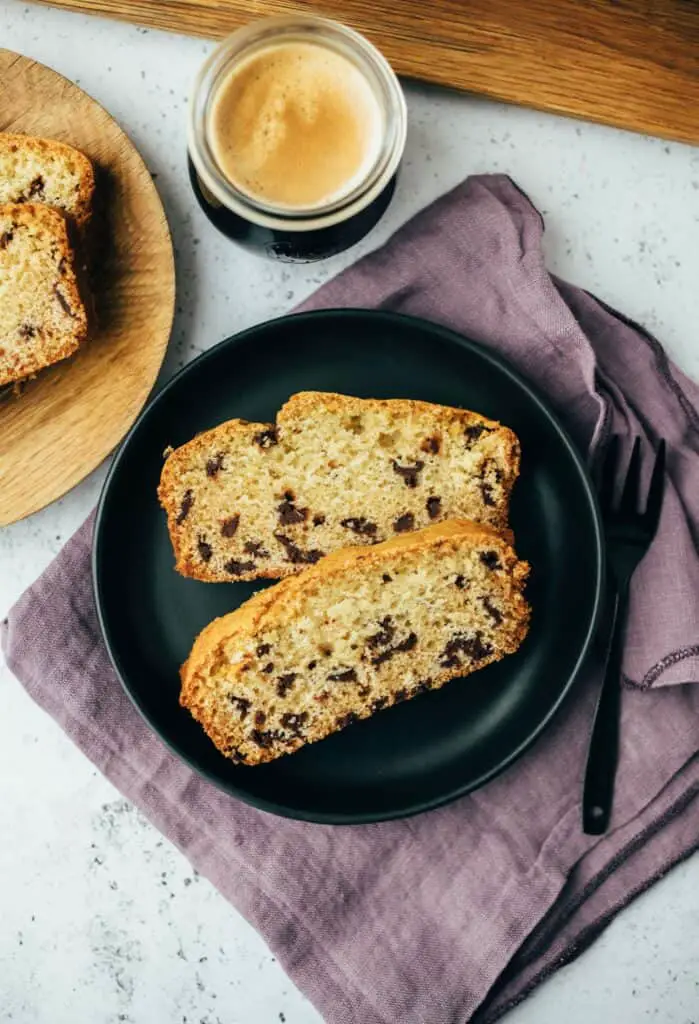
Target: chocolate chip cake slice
point(42, 315)
point(366, 628)
point(34, 170)
point(251, 500)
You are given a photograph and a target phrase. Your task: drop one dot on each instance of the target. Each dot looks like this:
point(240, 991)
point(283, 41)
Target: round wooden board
point(72, 415)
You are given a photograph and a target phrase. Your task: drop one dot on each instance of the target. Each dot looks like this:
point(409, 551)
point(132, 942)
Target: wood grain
point(71, 416)
point(633, 64)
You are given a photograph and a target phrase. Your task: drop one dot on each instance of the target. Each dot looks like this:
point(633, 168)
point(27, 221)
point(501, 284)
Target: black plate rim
point(461, 789)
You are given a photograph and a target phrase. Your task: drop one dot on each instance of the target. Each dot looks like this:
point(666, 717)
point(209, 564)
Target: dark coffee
point(284, 243)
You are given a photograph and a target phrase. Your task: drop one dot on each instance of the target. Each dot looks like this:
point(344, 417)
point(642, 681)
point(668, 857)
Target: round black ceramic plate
point(430, 749)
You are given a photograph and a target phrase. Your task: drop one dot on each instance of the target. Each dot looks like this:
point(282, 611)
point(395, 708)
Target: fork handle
point(603, 753)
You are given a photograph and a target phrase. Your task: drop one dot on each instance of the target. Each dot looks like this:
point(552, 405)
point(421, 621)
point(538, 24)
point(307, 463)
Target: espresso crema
point(295, 125)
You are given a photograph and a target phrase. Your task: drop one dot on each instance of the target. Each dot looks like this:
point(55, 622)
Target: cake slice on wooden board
point(42, 315)
point(363, 629)
point(34, 170)
point(252, 500)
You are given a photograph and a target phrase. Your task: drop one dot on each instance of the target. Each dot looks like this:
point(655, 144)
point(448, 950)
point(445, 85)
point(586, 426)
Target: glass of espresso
point(297, 128)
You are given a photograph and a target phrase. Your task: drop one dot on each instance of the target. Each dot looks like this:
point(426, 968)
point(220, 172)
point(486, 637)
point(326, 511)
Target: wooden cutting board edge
point(551, 64)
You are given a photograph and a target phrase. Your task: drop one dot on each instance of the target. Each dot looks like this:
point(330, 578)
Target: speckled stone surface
point(101, 920)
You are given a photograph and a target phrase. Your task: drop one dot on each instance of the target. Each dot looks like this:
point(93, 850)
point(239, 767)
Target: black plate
point(430, 749)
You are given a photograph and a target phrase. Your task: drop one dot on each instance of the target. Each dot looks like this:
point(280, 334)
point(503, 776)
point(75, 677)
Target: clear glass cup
point(296, 234)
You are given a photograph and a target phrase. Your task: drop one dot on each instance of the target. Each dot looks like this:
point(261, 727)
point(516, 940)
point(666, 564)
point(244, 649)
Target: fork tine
point(606, 473)
point(656, 489)
point(631, 493)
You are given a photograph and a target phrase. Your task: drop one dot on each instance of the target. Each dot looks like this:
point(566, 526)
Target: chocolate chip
point(229, 526)
point(349, 719)
point(492, 610)
point(364, 691)
point(260, 718)
point(348, 675)
point(241, 703)
point(269, 667)
point(430, 445)
point(460, 582)
point(5, 239)
point(498, 474)
point(295, 554)
point(478, 649)
point(385, 634)
point(386, 578)
point(487, 492)
point(474, 431)
point(185, 506)
point(400, 696)
point(236, 756)
point(318, 520)
point(264, 739)
point(214, 464)
point(423, 687)
point(490, 559)
point(360, 525)
point(62, 301)
point(262, 649)
point(236, 568)
point(294, 723)
point(204, 549)
point(404, 523)
point(434, 507)
point(61, 268)
point(36, 187)
point(379, 703)
point(27, 331)
point(405, 645)
point(311, 665)
point(409, 473)
point(256, 549)
point(285, 682)
point(266, 438)
point(472, 646)
point(289, 514)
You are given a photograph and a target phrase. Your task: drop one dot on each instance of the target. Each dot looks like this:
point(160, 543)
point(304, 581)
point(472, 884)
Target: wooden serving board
point(72, 415)
point(634, 64)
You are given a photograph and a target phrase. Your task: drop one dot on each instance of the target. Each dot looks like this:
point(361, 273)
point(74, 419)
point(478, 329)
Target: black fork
point(628, 534)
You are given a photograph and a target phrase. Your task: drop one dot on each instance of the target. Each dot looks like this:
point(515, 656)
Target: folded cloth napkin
point(456, 914)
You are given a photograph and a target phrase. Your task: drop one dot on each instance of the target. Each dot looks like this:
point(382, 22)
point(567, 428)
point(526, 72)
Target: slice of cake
point(362, 630)
point(250, 500)
point(42, 316)
point(36, 170)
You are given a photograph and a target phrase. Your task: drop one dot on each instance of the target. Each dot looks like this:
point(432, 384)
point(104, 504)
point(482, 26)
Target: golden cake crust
point(363, 629)
point(46, 171)
point(261, 500)
point(42, 314)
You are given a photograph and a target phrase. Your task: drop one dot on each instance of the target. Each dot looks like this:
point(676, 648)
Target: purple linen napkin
point(456, 914)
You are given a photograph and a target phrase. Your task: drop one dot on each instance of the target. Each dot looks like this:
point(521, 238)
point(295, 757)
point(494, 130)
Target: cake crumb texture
point(42, 315)
point(364, 629)
point(34, 170)
point(266, 500)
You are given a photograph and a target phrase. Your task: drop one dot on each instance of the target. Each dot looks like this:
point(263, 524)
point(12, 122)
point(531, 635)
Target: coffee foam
point(295, 125)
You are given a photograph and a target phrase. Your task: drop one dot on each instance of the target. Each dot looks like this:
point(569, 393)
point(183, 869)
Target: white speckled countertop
point(101, 919)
